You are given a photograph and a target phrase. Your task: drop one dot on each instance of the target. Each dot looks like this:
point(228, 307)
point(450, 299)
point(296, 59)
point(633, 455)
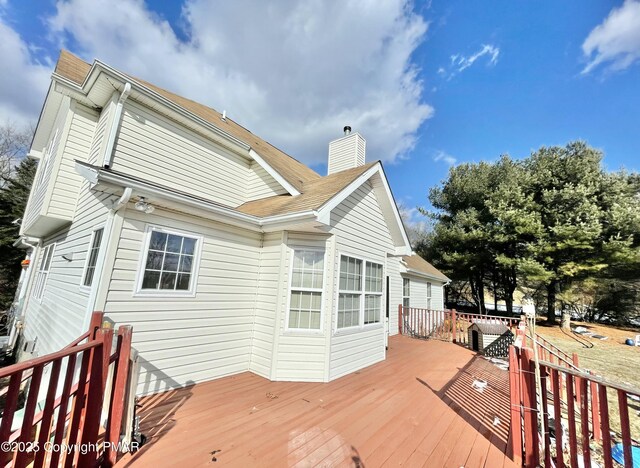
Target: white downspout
point(102, 254)
point(113, 130)
point(21, 300)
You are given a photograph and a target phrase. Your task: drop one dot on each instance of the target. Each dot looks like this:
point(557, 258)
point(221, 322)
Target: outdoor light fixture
point(144, 206)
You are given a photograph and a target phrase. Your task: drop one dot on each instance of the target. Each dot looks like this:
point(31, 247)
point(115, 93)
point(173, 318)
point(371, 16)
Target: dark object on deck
point(490, 338)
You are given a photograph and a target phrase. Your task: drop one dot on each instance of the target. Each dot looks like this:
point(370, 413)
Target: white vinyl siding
point(360, 231)
point(185, 340)
point(59, 318)
point(42, 274)
point(299, 355)
point(261, 185)
point(420, 295)
point(266, 302)
point(159, 150)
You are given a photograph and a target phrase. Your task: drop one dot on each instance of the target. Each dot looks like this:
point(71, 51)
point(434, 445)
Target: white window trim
point(197, 254)
point(305, 331)
point(51, 246)
point(361, 326)
point(429, 295)
point(409, 296)
point(84, 288)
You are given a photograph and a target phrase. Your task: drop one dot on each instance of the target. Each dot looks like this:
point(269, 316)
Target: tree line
point(556, 226)
point(16, 176)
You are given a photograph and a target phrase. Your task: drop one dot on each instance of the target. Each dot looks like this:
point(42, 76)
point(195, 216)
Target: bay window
point(359, 292)
point(305, 301)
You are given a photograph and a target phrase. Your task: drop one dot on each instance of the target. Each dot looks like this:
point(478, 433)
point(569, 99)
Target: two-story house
point(224, 253)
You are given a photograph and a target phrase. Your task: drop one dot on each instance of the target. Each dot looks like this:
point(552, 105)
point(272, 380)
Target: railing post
point(578, 389)
point(515, 432)
point(400, 319)
point(595, 411)
point(454, 325)
point(95, 324)
point(116, 407)
point(531, 446)
point(95, 398)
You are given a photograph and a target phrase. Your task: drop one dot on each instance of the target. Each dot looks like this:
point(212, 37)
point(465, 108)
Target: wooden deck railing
point(448, 325)
point(573, 404)
point(64, 428)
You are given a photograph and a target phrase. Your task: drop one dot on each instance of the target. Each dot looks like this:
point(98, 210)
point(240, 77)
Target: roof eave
point(95, 175)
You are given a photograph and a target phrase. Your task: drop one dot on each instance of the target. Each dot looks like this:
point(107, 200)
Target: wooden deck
point(416, 408)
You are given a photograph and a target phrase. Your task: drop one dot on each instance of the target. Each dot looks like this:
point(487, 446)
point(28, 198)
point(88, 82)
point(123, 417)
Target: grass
point(610, 358)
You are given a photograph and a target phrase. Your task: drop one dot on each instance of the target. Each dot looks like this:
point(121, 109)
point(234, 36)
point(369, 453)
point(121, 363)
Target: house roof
point(415, 263)
point(293, 171)
point(309, 192)
point(314, 195)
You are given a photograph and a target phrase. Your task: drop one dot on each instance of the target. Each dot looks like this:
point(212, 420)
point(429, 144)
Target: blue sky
point(428, 84)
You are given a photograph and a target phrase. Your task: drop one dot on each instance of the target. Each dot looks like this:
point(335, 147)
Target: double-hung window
point(92, 257)
point(406, 292)
point(170, 262)
point(360, 292)
point(429, 296)
point(43, 271)
point(373, 292)
point(307, 278)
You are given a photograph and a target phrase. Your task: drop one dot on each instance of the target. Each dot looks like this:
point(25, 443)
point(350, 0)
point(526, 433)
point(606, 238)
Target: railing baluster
point(595, 411)
point(604, 424)
point(544, 376)
point(79, 404)
point(22, 456)
point(62, 409)
point(47, 413)
point(583, 401)
point(624, 428)
point(557, 417)
point(9, 409)
point(531, 445)
point(573, 441)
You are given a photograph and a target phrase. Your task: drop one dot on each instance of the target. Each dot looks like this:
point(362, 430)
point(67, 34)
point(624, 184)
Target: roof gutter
point(115, 123)
point(96, 175)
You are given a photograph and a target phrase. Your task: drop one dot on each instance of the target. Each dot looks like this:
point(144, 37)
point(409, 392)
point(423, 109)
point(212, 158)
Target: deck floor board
point(416, 408)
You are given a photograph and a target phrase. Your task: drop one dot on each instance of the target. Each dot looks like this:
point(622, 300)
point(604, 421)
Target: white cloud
point(616, 40)
point(460, 62)
point(293, 72)
point(23, 81)
point(444, 157)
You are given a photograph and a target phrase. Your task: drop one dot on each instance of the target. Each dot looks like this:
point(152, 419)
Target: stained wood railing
point(62, 398)
point(575, 405)
point(448, 325)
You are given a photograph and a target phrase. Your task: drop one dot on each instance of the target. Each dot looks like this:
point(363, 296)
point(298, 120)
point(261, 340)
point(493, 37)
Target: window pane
point(315, 320)
point(348, 310)
point(171, 262)
point(293, 318)
point(154, 260)
point(188, 246)
point(168, 281)
point(151, 280)
point(158, 240)
point(185, 263)
point(174, 243)
point(372, 309)
point(183, 282)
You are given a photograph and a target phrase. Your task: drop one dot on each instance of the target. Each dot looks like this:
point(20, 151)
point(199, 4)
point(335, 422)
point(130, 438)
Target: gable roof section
point(310, 193)
point(314, 194)
point(416, 264)
point(292, 171)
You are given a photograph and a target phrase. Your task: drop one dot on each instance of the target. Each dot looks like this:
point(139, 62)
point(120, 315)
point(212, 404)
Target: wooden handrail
point(43, 360)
